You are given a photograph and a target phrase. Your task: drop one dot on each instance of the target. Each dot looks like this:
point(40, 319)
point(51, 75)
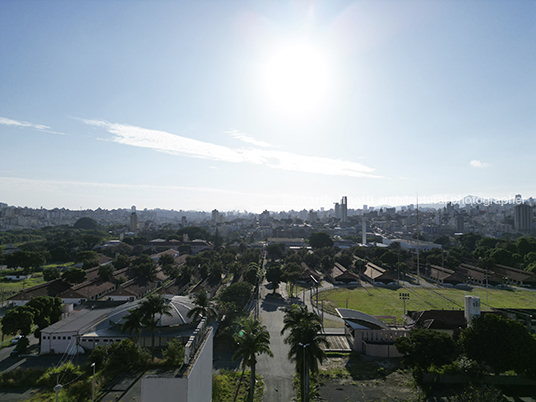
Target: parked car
point(14, 353)
point(16, 339)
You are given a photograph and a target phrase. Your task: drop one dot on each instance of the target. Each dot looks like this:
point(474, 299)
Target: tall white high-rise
point(344, 209)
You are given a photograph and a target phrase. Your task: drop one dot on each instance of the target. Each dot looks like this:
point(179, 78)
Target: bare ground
point(363, 378)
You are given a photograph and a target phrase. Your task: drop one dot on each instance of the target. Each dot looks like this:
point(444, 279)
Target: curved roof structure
point(180, 306)
point(361, 319)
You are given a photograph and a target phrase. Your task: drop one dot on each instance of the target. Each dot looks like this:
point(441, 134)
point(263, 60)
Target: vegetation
point(500, 343)
point(424, 348)
point(203, 307)
point(319, 240)
point(252, 339)
point(40, 311)
point(386, 301)
point(227, 387)
point(151, 307)
point(305, 342)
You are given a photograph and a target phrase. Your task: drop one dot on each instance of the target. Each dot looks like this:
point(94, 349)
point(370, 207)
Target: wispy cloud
point(59, 184)
point(178, 145)
point(478, 164)
point(247, 139)
point(9, 122)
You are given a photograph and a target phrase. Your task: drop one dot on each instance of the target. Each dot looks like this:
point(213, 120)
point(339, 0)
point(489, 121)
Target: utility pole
point(418, 273)
point(404, 297)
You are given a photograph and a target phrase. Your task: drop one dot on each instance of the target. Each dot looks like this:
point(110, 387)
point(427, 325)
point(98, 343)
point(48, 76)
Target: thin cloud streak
point(247, 139)
point(41, 127)
point(178, 145)
point(8, 122)
point(35, 183)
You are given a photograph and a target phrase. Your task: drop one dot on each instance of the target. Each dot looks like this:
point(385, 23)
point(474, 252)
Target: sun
point(297, 79)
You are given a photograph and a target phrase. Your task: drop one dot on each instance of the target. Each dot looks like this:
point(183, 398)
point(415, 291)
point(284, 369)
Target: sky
point(254, 105)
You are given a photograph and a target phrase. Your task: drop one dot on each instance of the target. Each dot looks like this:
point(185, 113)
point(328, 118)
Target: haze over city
point(264, 105)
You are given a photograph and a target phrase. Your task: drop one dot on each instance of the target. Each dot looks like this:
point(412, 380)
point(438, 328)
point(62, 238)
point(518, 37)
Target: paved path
point(278, 371)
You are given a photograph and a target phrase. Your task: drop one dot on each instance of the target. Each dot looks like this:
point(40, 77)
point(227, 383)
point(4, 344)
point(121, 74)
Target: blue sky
point(253, 105)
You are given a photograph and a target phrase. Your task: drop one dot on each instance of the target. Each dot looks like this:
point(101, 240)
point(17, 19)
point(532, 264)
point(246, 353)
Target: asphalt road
point(278, 371)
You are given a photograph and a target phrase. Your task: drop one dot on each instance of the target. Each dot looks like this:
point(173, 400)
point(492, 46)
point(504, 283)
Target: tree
point(27, 260)
point(327, 263)
point(236, 296)
point(305, 342)
point(501, 343)
point(425, 347)
point(151, 307)
point(47, 311)
point(145, 271)
point(275, 251)
point(253, 339)
point(86, 223)
point(319, 240)
point(82, 256)
point(133, 323)
point(74, 275)
point(106, 272)
point(203, 308)
point(19, 320)
point(174, 352)
point(51, 273)
point(166, 261)
point(274, 275)
point(121, 261)
point(291, 274)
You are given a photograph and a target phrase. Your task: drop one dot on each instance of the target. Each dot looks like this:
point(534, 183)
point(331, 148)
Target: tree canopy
point(86, 223)
point(319, 240)
point(501, 343)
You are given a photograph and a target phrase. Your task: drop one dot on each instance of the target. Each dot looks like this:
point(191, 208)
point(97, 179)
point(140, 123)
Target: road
point(278, 371)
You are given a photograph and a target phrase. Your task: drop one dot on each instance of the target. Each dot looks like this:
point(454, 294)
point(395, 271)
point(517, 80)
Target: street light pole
point(93, 383)
point(305, 376)
point(57, 389)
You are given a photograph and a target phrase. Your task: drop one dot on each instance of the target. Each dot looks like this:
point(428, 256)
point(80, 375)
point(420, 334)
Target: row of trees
point(38, 313)
point(303, 330)
point(491, 341)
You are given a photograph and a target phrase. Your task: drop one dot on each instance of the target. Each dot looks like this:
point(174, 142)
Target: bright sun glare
point(297, 79)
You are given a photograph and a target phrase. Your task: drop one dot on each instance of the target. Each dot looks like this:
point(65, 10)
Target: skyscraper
point(133, 224)
point(337, 210)
point(344, 209)
point(523, 218)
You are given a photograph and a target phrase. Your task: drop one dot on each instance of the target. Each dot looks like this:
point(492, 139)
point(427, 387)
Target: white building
point(190, 383)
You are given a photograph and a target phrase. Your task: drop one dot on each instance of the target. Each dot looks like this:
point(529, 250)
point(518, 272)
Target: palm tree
point(253, 339)
point(204, 307)
point(150, 307)
point(133, 323)
point(305, 340)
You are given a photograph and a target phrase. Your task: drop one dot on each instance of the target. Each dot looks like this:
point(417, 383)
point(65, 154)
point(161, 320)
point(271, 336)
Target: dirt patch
point(363, 378)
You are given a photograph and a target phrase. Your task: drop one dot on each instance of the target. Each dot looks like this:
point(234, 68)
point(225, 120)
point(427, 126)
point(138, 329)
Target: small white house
point(18, 277)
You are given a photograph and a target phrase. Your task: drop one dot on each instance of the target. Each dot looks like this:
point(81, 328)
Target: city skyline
point(264, 105)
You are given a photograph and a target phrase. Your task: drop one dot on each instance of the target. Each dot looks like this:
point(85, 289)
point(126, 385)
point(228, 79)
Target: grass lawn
point(16, 286)
point(385, 301)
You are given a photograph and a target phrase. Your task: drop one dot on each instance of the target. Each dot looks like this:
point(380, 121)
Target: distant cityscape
point(486, 217)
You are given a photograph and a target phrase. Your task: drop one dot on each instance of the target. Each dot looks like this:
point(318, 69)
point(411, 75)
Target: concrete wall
point(57, 343)
point(200, 375)
point(380, 350)
point(377, 342)
point(164, 389)
point(195, 385)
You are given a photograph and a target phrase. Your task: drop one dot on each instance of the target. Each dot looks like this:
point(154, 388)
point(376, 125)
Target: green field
point(17, 286)
point(385, 301)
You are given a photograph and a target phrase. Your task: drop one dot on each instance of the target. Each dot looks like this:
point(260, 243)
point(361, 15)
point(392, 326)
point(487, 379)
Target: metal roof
point(359, 317)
